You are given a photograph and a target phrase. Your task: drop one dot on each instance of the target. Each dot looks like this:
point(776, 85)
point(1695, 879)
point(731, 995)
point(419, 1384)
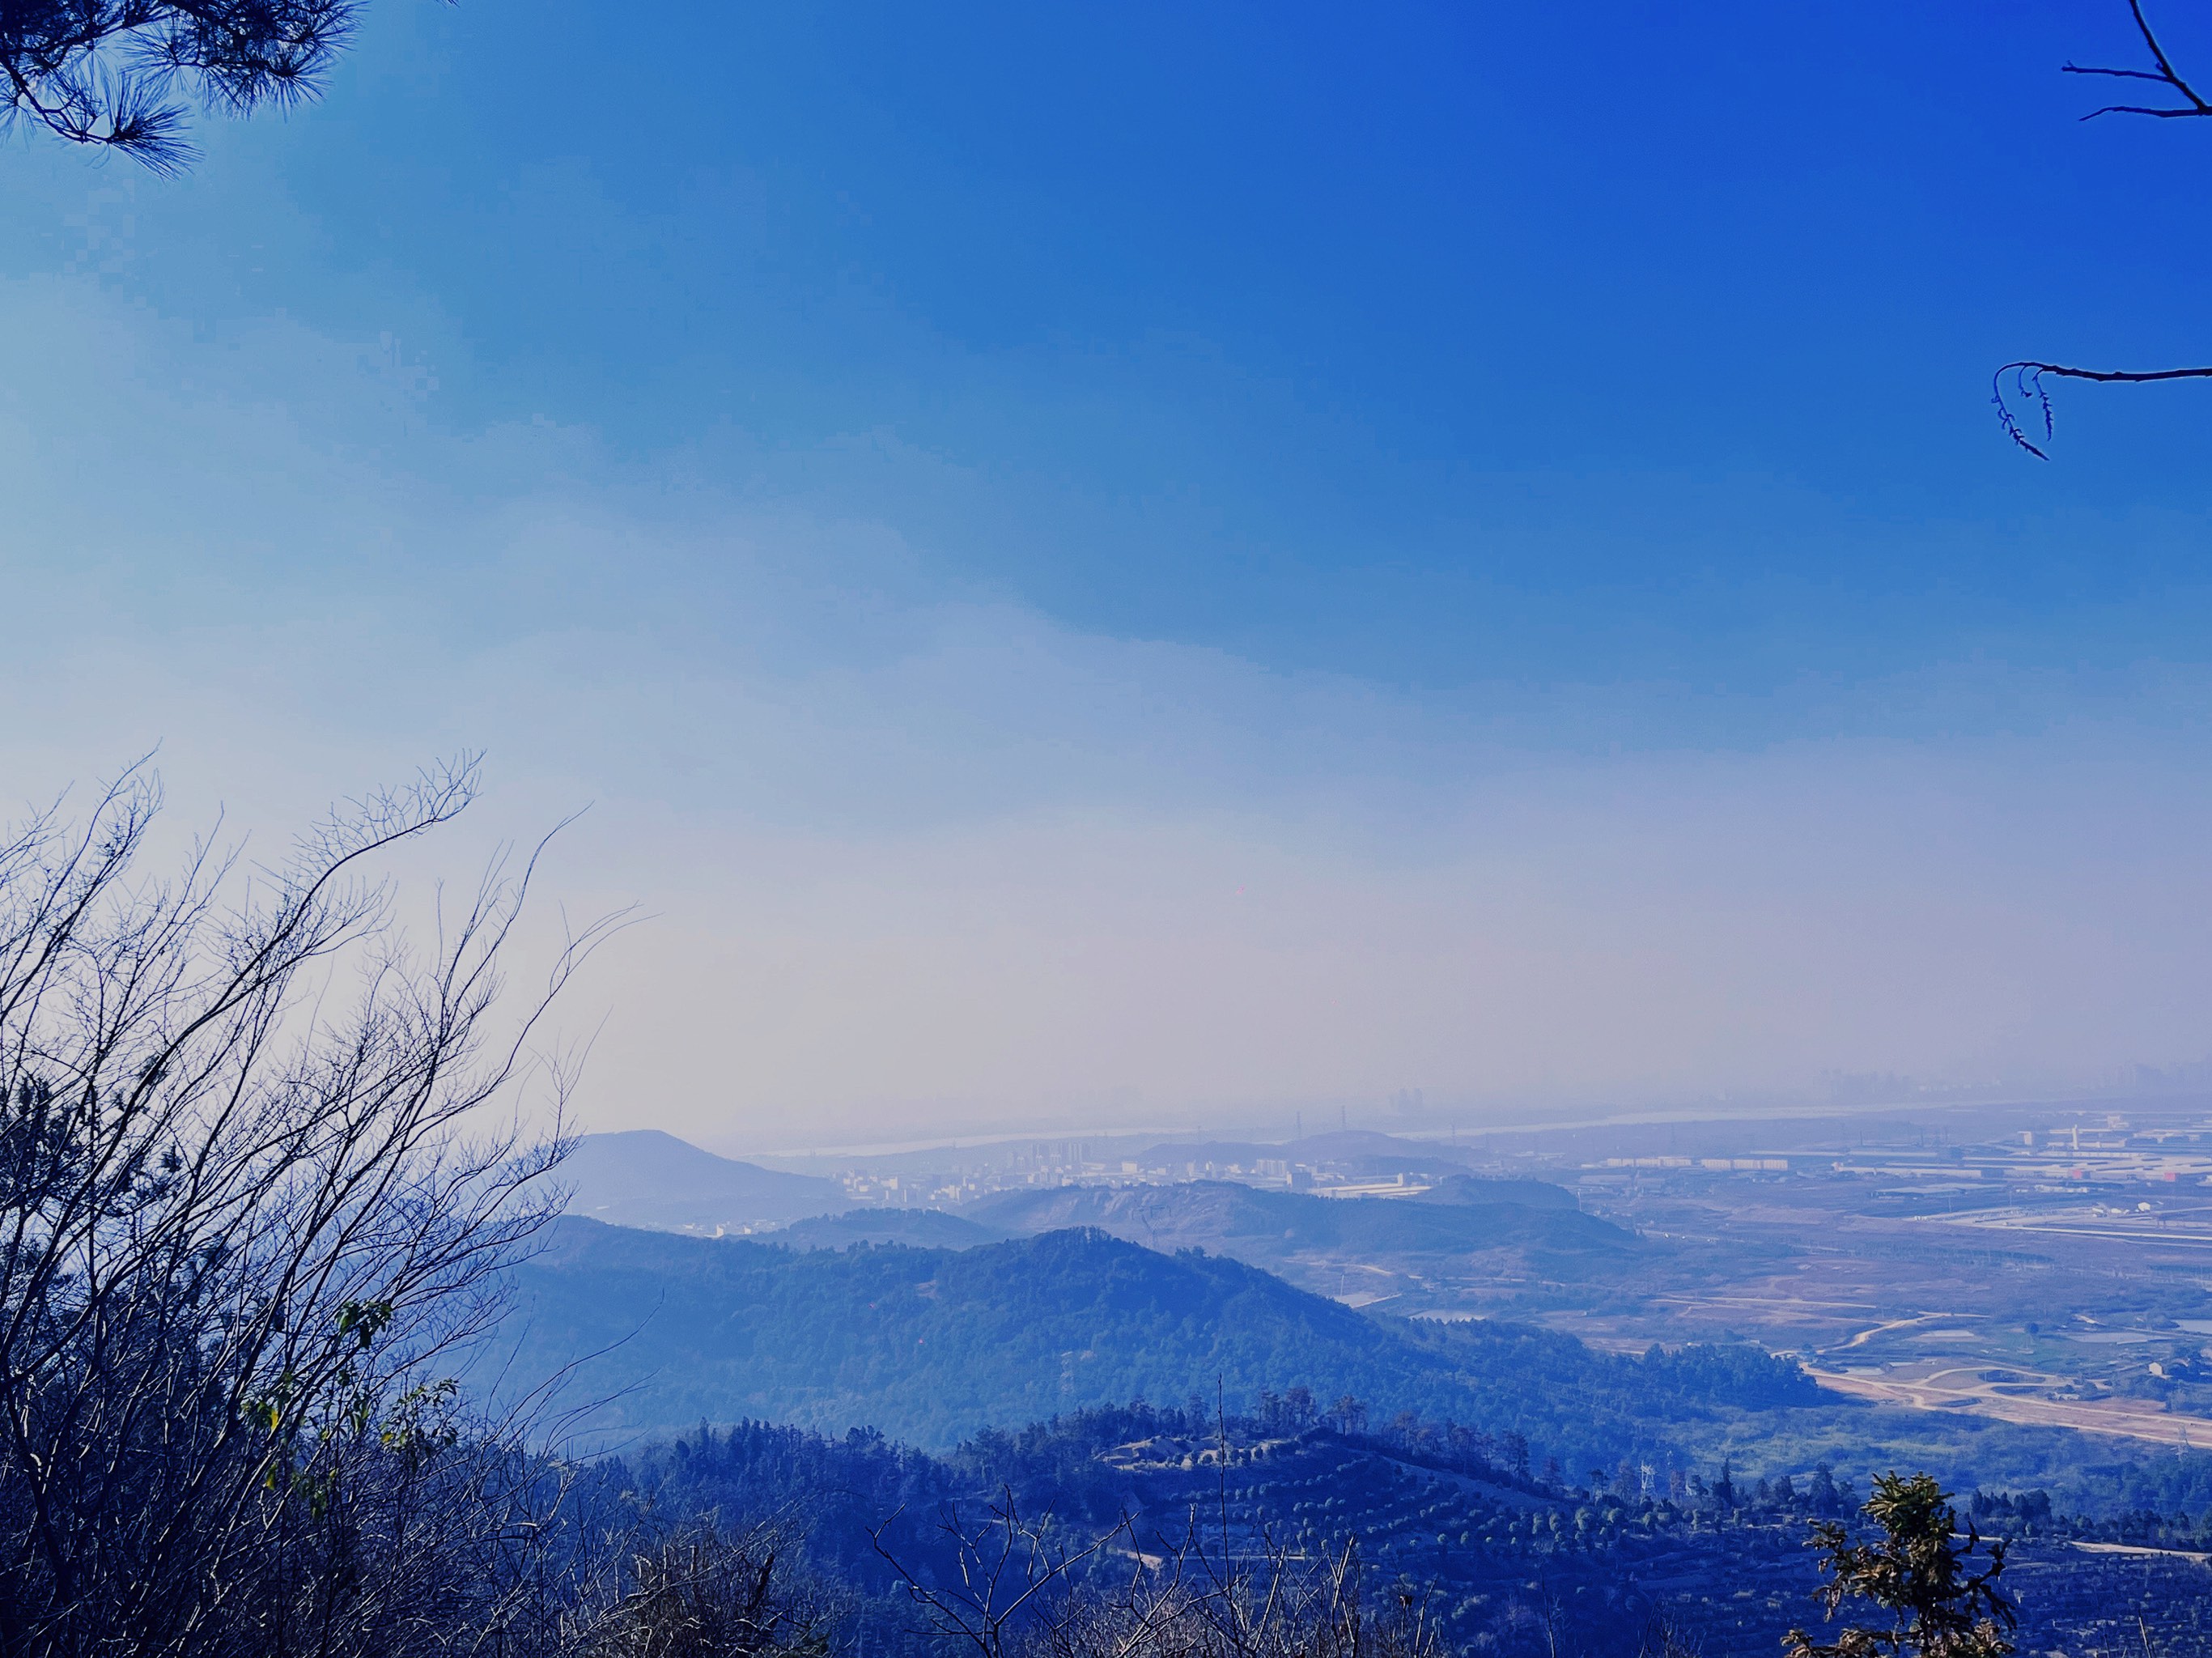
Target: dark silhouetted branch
point(118, 74)
point(2019, 387)
point(2165, 75)
point(2022, 384)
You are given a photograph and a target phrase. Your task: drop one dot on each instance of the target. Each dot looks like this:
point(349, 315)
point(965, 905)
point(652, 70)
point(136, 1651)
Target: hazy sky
point(1162, 565)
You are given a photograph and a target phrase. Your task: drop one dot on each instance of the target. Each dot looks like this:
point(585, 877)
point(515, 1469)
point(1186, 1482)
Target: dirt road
point(1962, 1389)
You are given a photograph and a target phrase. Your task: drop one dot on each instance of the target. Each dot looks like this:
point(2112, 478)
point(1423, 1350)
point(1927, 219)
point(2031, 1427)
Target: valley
point(1573, 1358)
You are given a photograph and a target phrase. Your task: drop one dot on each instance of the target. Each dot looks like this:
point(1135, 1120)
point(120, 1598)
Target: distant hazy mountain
point(934, 1344)
point(925, 1229)
point(1256, 1224)
point(1478, 1188)
point(1351, 1151)
point(647, 1179)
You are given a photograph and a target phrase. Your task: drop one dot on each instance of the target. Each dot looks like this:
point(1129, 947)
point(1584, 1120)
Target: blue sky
point(963, 490)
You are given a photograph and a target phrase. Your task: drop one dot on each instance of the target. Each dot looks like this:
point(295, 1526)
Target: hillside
point(1507, 1566)
point(1355, 1151)
point(925, 1228)
point(1478, 1188)
point(935, 1344)
point(1257, 1225)
point(644, 1178)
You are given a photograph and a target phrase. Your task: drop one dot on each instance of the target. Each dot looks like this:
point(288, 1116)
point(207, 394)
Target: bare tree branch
point(2017, 389)
point(2022, 384)
point(263, 1166)
point(2165, 75)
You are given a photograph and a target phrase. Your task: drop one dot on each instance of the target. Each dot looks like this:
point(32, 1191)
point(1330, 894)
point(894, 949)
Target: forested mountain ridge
point(923, 1228)
point(1252, 1223)
point(934, 1345)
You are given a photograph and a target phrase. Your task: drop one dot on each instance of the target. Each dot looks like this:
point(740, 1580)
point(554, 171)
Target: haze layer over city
point(1435, 776)
point(1206, 591)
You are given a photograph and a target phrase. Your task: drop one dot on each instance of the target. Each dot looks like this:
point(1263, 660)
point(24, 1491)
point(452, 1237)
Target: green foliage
point(308, 1417)
point(1919, 1573)
point(364, 1320)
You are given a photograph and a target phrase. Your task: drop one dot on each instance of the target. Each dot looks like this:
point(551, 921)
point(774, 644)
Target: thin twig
point(2022, 382)
point(2165, 75)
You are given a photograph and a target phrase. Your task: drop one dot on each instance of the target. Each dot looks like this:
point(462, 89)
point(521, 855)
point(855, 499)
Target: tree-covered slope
point(932, 1344)
point(1257, 1224)
point(925, 1228)
point(1505, 1566)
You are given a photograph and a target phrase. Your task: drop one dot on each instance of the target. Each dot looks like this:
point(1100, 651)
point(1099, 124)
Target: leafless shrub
point(260, 1174)
point(697, 1594)
point(1026, 1587)
point(1665, 1637)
